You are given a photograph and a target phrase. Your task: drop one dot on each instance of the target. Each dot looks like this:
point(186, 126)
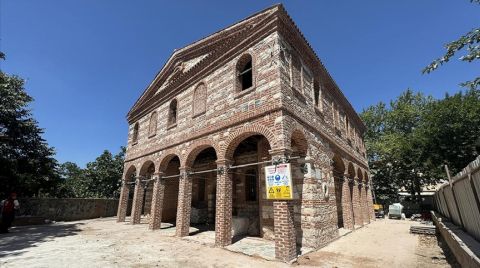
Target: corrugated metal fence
point(459, 199)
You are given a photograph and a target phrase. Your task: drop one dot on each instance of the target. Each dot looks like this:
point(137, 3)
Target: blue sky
point(86, 62)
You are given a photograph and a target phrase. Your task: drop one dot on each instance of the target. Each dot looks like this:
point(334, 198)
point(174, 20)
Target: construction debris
point(423, 229)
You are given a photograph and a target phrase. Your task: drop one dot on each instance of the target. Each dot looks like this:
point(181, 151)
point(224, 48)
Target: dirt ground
point(104, 243)
point(383, 243)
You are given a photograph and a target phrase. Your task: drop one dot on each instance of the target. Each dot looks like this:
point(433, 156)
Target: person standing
point(8, 207)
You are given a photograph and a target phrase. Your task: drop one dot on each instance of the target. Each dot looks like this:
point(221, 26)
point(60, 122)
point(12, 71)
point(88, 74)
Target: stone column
point(357, 212)
point(157, 202)
point(137, 201)
point(184, 207)
point(283, 220)
point(123, 202)
point(223, 215)
point(347, 204)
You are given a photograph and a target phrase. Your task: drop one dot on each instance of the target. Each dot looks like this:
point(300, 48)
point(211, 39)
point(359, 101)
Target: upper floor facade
point(256, 67)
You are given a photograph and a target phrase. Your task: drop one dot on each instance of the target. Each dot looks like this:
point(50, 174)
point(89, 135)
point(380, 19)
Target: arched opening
point(170, 168)
point(135, 133)
point(244, 73)
point(130, 177)
point(200, 99)
point(152, 127)
point(172, 113)
point(338, 173)
point(252, 213)
point(202, 215)
point(146, 173)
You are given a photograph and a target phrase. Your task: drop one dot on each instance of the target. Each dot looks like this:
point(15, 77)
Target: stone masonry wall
point(68, 209)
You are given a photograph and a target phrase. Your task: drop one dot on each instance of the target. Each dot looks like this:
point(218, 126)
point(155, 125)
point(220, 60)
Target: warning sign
point(279, 182)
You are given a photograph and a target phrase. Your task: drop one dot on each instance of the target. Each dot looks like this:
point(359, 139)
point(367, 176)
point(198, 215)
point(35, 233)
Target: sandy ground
point(104, 243)
point(383, 243)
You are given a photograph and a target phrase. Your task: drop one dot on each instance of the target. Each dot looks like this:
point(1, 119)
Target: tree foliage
point(100, 179)
point(411, 139)
point(469, 42)
point(27, 163)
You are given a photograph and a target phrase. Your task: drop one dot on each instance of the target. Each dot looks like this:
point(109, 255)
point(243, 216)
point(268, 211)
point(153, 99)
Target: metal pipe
point(263, 162)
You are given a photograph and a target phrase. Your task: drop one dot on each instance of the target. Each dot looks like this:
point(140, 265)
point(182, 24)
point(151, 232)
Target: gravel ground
point(104, 243)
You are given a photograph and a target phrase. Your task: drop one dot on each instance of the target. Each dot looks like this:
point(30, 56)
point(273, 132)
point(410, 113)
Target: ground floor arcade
point(218, 184)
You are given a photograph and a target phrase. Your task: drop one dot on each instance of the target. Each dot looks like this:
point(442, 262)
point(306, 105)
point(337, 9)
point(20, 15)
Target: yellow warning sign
point(279, 192)
point(278, 180)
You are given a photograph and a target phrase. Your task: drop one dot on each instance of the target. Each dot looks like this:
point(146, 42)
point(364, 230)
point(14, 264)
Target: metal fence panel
point(468, 207)
point(462, 203)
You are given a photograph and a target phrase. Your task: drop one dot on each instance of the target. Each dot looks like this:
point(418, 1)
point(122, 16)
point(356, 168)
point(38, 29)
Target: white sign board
point(278, 180)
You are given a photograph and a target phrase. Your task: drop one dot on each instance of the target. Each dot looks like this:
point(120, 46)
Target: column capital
point(224, 162)
point(185, 172)
point(158, 174)
point(223, 165)
point(280, 152)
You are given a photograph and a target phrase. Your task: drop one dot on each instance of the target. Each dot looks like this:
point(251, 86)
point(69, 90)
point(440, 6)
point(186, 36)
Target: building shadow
point(22, 238)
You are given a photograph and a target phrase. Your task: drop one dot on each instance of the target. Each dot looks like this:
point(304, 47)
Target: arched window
point(135, 133)
point(200, 99)
point(296, 73)
point(244, 73)
point(172, 113)
point(152, 127)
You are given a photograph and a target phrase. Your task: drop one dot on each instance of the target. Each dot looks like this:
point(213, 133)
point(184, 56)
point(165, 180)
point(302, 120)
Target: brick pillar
point(357, 212)
point(123, 202)
point(285, 237)
point(366, 214)
point(184, 207)
point(223, 215)
point(347, 205)
point(137, 202)
point(157, 202)
point(283, 220)
point(370, 204)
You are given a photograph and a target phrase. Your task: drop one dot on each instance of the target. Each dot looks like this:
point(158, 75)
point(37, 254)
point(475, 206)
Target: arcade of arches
point(221, 186)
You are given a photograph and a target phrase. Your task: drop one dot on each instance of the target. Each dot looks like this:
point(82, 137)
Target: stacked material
point(423, 229)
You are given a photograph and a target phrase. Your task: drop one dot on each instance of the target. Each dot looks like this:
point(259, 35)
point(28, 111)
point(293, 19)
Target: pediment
point(180, 68)
point(187, 60)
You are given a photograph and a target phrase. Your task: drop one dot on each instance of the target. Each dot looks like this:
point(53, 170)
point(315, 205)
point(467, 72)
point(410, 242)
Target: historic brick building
point(226, 106)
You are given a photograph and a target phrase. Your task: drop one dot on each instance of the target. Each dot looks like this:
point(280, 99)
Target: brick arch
point(351, 170)
point(338, 164)
point(365, 177)
point(196, 148)
point(145, 166)
point(300, 137)
point(241, 134)
point(360, 174)
point(164, 161)
point(131, 170)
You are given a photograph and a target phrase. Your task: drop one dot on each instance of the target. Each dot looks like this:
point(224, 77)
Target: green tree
point(27, 163)
point(393, 144)
point(104, 175)
point(469, 42)
point(409, 141)
point(100, 179)
point(451, 131)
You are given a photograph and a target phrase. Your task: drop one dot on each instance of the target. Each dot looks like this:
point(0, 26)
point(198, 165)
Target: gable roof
point(200, 48)
point(185, 62)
